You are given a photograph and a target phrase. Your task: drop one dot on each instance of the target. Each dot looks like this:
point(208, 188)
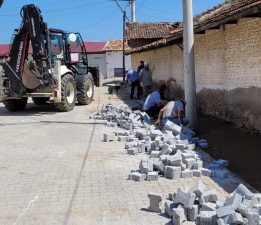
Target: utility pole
point(189, 63)
point(133, 11)
point(123, 46)
point(133, 8)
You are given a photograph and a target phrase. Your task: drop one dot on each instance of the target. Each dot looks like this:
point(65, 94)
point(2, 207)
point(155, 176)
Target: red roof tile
point(4, 49)
point(114, 45)
point(93, 47)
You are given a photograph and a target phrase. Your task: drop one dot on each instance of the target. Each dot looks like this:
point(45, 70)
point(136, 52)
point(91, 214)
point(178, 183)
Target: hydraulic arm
point(20, 74)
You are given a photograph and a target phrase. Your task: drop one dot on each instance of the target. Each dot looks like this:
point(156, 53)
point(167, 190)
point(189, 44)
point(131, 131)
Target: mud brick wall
point(228, 71)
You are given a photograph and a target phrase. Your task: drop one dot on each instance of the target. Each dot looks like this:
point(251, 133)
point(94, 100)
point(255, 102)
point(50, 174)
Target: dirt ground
point(242, 150)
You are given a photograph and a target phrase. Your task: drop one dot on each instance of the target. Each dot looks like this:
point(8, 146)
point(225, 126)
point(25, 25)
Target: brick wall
point(226, 59)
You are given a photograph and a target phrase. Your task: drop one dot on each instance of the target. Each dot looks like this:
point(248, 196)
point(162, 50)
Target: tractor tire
point(85, 89)
point(15, 105)
point(40, 100)
point(68, 94)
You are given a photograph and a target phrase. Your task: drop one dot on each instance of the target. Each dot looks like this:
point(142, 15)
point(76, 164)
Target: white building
point(114, 58)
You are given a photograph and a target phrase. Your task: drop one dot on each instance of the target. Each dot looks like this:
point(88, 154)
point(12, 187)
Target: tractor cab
point(69, 49)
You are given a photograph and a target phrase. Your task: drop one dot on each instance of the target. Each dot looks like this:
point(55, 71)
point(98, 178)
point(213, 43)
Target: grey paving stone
point(155, 154)
point(243, 191)
point(169, 206)
point(225, 211)
point(152, 176)
point(209, 196)
point(208, 206)
point(207, 218)
point(185, 198)
point(132, 151)
point(172, 172)
point(196, 173)
point(108, 137)
point(258, 207)
point(137, 176)
point(175, 160)
point(141, 147)
point(242, 209)
point(253, 217)
point(156, 204)
point(205, 172)
point(221, 221)
point(187, 173)
point(159, 166)
point(178, 216)
point(197, 165)
point(249, 203)
point(122, 138)
point(146, 165)
point(130, 145)
point(193, 213)
point(235, 218)
point(173, 127)
point(235, 200)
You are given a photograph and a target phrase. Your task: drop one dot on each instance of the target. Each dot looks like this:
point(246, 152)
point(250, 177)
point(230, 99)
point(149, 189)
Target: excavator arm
point(19, 73)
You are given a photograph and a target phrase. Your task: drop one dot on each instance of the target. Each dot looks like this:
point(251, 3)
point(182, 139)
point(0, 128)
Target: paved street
point(55, 169)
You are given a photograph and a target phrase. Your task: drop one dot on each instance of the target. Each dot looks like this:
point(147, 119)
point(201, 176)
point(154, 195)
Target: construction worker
point(133, 78)
point(146, 80)
point(174, 111)
point(155, 100)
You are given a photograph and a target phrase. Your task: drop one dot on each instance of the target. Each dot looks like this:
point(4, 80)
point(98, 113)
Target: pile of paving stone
point(205, 207)
point(171, 148)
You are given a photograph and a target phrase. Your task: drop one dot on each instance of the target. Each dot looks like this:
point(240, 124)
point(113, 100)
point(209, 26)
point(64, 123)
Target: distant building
point(97, 56)
point(113, 50)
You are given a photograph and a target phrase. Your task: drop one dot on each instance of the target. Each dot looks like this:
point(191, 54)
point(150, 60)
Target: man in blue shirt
point(153, 102)
point(133, 78)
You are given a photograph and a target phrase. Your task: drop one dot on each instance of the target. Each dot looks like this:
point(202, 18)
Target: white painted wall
point(98, 60)
point(114, 60)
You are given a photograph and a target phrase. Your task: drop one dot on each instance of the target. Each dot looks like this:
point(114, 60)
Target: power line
point(141, 4)
point(99, 21)
point(62, 9)
point(117, 3)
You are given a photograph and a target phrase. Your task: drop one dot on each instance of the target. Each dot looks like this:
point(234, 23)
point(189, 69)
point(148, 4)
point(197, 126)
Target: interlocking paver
point(55, 169)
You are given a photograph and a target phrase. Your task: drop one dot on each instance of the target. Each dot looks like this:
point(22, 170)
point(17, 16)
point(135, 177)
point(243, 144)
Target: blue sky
point(96, 20)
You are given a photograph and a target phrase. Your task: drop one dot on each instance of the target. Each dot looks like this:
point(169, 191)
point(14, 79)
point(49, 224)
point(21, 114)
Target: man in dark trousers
point(133, 77)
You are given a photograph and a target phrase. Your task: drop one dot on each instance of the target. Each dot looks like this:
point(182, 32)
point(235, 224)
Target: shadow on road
point(31, 109)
